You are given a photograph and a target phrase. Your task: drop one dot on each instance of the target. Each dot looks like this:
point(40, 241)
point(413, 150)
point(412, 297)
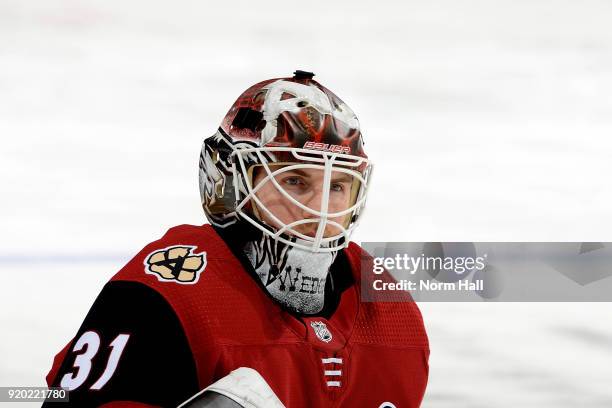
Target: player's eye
point(294, 181)
point(337, 187)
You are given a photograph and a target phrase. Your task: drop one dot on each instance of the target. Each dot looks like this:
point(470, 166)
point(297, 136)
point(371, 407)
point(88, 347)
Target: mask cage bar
point(327, 161)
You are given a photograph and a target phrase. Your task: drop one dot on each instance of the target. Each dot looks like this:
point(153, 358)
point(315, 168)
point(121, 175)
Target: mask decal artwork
point(296, 278)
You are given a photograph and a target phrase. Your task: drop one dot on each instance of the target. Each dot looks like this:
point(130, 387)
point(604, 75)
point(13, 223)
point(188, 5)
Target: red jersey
point(366, 354)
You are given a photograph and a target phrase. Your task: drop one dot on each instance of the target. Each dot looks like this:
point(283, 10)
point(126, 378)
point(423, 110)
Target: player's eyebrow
point(343, 177)
point(299, 172)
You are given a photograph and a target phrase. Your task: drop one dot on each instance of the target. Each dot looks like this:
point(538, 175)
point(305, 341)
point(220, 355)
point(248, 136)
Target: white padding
point(246, 387)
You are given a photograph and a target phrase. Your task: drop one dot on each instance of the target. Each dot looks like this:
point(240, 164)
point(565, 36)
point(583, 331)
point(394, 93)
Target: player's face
point(305, 186)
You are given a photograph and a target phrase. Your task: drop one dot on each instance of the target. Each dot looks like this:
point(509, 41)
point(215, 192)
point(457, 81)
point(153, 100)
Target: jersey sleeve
point(130, 348)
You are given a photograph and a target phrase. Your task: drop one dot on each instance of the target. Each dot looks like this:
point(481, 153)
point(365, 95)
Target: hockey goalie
point(260, 307)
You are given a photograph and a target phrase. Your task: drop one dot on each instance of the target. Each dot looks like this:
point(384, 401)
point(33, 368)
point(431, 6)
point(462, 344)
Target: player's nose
point(313, 202)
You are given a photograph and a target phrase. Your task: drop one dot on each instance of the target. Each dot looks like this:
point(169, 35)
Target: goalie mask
point(287, 162)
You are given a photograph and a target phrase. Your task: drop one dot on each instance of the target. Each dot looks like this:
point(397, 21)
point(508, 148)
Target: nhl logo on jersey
point(321, 331)
point(176, 263)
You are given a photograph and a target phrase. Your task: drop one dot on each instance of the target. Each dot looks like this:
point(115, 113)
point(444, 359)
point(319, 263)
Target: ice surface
point(488, 121)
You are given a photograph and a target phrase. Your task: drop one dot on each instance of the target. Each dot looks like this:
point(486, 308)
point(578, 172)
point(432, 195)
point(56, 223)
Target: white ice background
point(487, 121)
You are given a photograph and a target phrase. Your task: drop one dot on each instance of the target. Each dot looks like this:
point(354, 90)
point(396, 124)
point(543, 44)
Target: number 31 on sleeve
point(90, 341)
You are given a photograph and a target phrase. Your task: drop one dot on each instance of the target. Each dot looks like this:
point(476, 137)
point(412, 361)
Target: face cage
point(326, 160)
